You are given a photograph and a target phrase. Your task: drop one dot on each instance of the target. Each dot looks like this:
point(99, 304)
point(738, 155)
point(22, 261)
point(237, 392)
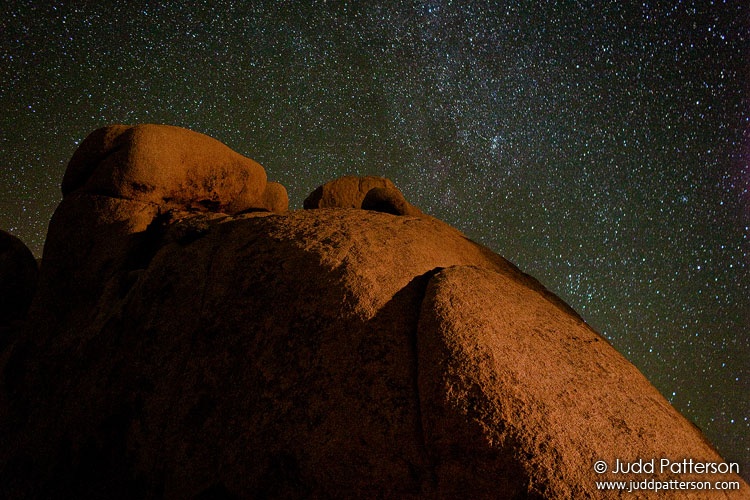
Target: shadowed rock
point(18, 278)
point(389, 201)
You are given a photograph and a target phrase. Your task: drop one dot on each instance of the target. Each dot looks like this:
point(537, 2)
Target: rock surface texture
point(166, 166)
point(124, 179)
point(332, 353)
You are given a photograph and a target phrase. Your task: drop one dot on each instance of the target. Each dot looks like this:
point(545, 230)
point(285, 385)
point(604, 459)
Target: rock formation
point(123, 178)
point(275, 198)
point(368, 193)
point(167, 166)
point(345, 192)
point(314, 353)
point(18, 278)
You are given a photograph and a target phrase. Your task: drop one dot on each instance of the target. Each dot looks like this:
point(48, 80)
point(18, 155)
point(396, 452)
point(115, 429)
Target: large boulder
point(522, 398)
point(368, 193)
point(124, 179)
point(168, 166)
point(18, 278)
point(275, 198)
point(345, 192)
point(325, 353)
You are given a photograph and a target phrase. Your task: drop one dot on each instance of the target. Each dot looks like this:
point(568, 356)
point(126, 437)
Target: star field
point(602, 147)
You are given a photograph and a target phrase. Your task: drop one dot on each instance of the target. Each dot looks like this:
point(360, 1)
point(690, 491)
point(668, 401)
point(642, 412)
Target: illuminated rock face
point(346, 192)
point(168, 166)
point(124, 179)
point(315, 353)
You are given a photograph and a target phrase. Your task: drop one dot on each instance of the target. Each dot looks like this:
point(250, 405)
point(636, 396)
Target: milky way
point(603, 148)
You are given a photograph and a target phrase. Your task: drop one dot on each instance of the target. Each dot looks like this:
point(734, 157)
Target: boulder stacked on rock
point(119, 180)
point(275, 199)
point(345, 192)
point(168, 166)
point(317, 354)
point(369, 193)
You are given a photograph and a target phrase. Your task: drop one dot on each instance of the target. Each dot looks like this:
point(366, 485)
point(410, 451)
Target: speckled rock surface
point(179, 352)
point(345, 192)
point(324, 353)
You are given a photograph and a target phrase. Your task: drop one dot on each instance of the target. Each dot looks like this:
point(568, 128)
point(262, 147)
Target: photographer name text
point(665, 465)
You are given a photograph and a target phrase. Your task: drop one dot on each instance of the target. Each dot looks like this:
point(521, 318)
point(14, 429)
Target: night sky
point(603, 147)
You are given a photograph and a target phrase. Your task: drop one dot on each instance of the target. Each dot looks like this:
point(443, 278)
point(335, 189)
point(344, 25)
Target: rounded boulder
point(345, 192)
point(165, 165)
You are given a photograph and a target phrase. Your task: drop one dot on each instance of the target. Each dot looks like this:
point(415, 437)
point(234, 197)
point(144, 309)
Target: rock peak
point(171, 167)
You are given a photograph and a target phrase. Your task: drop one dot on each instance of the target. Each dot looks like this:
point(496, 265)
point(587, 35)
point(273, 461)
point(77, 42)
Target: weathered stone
point(520, 397)
point(168, 166)
point(328, 353)
point(90, 153)
point(90, 238)
point(276, 198)
point(120, 179)
point(345, 192)
point(173, 350)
